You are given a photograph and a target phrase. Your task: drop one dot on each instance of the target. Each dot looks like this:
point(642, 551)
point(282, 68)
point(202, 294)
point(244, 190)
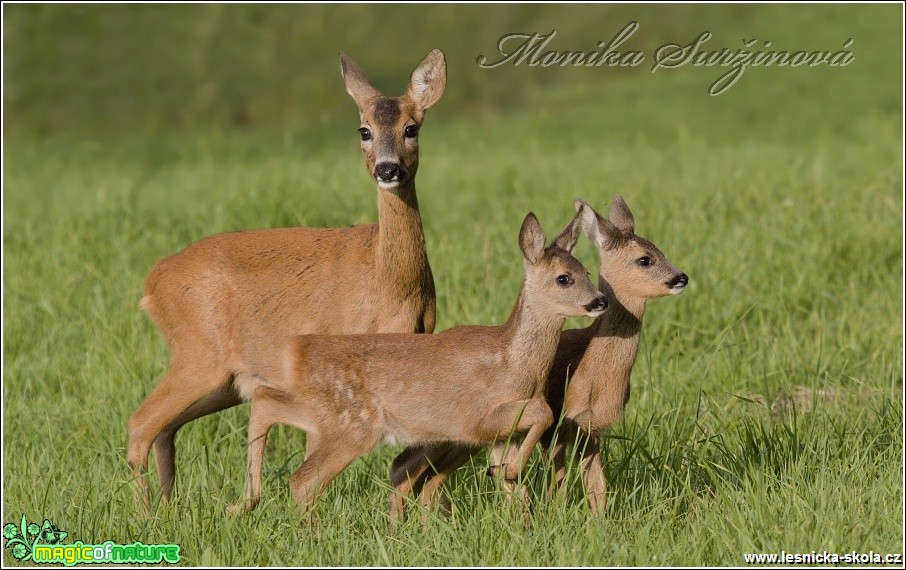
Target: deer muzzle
point(597, 306)
point(678, 283)
point(389, 173)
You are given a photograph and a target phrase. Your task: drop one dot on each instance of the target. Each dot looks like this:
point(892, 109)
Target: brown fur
point(226, 304)
point(469, 384)
point(597, 361)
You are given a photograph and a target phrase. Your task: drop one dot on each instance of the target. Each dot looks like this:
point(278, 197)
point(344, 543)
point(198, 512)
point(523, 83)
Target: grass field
point(766, 411)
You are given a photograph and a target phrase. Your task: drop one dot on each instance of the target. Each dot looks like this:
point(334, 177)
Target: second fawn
point(225, 304)
point(589, 379)
point(469, 384)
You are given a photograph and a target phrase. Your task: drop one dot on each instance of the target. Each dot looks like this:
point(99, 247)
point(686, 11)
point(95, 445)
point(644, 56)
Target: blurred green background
point(121, 69)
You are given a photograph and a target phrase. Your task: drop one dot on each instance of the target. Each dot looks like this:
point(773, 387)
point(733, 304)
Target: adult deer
point(589, 380)
point(226, 304)
point(469, 384)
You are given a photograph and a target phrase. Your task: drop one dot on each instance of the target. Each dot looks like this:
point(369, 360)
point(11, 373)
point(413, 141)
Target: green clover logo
point(22, 538)
point(19, 551)
point(10, 530)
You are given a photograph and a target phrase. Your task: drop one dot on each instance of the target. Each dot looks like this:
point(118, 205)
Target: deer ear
point(531, 239)
point(609, 232)
point(568, 238)
point(428, 80)
point(357, 85)
point(620, 216)
point(593, 224)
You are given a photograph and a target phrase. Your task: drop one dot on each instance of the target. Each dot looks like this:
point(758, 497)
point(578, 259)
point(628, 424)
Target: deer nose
point(388, 171)
point(679, 281)
point(598, 305)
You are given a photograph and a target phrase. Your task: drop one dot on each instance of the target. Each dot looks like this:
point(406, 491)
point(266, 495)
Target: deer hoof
point(499, 470)
point(236, 509)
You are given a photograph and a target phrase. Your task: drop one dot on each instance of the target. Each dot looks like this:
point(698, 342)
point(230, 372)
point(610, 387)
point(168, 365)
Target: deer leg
point(326, 459)
point(432, 479)
point(179, 390)
point(164, 449)
point(260, 422)
point(407, 474)
point(593, 476)
point(558, 458)
point(505, 453)
point(565, 439)
point(510, 418)
point(517, 492)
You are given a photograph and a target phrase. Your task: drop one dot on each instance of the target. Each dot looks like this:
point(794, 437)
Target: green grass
point(766, 410)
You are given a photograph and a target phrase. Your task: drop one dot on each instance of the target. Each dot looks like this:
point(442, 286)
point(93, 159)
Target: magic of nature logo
point(43, 544)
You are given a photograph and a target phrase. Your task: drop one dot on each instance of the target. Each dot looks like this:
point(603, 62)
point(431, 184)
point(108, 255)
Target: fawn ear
point(597, 229)
point(531, 239)
point(568, 238)
point(620, 216)
point(357, 85)
point(428, 80)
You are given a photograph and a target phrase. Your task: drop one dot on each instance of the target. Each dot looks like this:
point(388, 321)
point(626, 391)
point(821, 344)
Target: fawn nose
point(679, 281)
point(598, 305)
point(388, 171)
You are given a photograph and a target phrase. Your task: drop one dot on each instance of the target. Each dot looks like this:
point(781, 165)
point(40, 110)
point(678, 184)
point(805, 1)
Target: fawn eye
point(564, 280)
point(411, 131)
point(644, 261)
point(365, 133)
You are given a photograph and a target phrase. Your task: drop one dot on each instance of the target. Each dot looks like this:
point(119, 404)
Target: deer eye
point(644, 261)
point(564, 280)
point(365, 133)
point(411, 131)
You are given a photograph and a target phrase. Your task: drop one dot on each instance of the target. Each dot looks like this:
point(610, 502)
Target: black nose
point(388, 171)
point(598, 304)
point(680, 280)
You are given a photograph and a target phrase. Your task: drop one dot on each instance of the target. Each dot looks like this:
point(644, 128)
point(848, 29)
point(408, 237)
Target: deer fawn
point(227, 303)
point(597, 361)
point(468, 384)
